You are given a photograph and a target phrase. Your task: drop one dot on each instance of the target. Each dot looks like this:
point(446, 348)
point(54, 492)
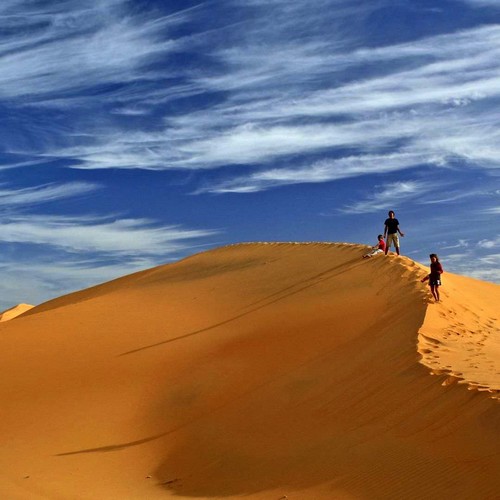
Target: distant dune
point(264, 371)
point(15, 311)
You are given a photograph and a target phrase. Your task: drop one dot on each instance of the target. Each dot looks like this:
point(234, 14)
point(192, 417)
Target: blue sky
point(134, 133)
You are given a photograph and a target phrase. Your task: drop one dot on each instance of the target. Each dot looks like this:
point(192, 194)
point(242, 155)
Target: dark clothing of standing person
point(391, 231)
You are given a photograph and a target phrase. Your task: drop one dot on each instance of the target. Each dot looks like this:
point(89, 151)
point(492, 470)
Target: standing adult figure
point(391, 231)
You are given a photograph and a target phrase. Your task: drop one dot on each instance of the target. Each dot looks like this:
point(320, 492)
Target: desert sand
point(15, 311)
point(264, 371)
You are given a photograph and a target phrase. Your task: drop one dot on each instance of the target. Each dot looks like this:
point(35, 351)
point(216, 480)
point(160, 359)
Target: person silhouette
point(391, 231)
point(434, 277)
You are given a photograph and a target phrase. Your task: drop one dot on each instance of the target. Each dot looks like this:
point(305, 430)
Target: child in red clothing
point(435, 276)
point(378, 248)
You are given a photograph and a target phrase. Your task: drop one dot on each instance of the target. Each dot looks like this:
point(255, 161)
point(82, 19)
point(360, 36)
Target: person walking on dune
point(391, 231)
point(434, 277)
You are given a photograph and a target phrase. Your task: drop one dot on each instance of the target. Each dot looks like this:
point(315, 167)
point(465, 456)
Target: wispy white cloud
point(452, 196)
point(423, 72)
point(44, 194)
point(11, 163)
point(461, 243)
point(87, 234)
point(489, 243)
point(389, 195)
point(492, 210)
point(70, 46)
point(319, 171)
point(193, 145)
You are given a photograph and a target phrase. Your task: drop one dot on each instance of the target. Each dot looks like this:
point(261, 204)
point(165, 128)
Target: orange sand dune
point(15, 311)
point(259, 370)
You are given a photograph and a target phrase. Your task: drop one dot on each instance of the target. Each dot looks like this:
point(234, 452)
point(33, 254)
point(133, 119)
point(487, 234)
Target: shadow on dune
point(113, 447)
point(383, 434)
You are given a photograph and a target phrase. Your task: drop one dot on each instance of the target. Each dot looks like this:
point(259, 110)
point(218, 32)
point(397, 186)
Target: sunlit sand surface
point(15, 311)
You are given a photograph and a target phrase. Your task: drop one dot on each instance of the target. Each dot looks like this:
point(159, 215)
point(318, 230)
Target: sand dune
point(15, 311)
point(268, 371)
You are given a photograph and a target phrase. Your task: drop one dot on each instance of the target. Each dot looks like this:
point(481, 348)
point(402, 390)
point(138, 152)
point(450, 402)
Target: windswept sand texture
point(264, 371)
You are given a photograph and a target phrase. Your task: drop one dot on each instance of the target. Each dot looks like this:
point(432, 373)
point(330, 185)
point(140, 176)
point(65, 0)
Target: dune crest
point(258, 370)
point(15, 311)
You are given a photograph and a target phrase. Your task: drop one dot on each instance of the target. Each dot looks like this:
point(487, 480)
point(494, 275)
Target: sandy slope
point(264, 371)
point(15, 311)
point(461, 337)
